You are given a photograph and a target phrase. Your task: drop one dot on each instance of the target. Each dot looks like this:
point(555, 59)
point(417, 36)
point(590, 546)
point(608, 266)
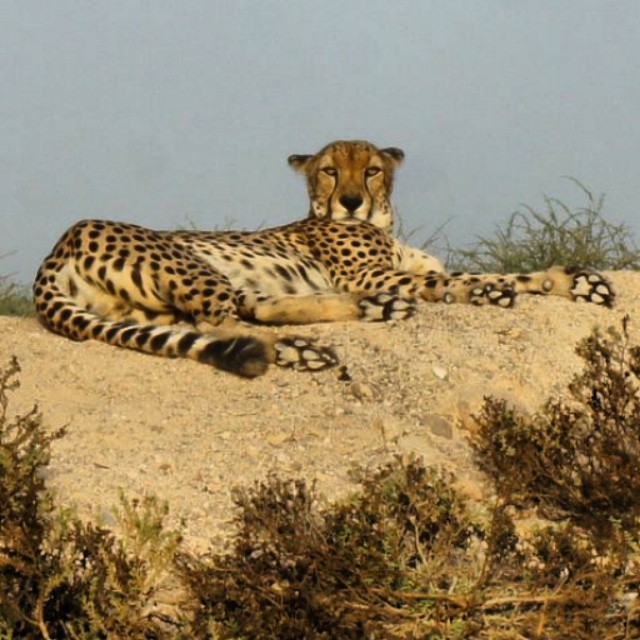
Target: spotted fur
point(192, 294)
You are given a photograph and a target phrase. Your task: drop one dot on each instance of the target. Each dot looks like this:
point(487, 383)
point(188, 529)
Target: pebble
point(439, 426)
point(440, 371)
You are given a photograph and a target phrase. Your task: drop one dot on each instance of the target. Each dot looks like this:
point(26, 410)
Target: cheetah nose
point(350, 203)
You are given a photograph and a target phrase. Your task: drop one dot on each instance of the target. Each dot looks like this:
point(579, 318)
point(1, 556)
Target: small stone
point(362, 391)
point(418, 444)
point(440, 372)
point(515, 333)
point(277, 439)
point(439, 426)
point(107, 517)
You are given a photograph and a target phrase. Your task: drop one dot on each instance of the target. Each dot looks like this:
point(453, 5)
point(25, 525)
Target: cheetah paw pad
point(589, 286)
point(304, 355)
point(501, 296)
point(385, 307)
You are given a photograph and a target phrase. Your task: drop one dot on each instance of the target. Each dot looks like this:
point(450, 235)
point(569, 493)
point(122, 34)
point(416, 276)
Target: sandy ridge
point(189, 433)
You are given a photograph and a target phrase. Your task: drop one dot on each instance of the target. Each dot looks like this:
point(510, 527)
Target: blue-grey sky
point(172, 112)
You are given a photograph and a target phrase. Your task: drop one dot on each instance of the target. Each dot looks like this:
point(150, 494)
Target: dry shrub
point(302, 570)
point(403, 557)
point(61, 577)
point(576, 459)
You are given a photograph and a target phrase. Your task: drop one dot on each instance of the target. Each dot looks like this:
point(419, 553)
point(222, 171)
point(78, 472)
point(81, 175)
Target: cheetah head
point(350, 180)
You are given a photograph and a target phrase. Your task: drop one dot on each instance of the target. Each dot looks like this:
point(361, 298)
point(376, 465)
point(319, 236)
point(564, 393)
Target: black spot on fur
point(97, 330)
point(283, 273)
point(112, 332)
point(244, 356)
point(137, 280)
point(142, 338)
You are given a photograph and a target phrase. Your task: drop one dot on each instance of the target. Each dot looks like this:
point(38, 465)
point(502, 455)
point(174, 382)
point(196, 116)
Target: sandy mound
point(189, 433)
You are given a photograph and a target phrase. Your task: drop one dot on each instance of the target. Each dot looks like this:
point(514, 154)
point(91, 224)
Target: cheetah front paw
point(384, 307)
point(302, 354)
point(590, 286)
point(501, 295)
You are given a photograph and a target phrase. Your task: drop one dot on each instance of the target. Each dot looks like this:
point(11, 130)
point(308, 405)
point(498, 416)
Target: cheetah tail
point(238, 353)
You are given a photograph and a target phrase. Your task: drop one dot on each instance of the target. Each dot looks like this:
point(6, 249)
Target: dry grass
point(533, 240)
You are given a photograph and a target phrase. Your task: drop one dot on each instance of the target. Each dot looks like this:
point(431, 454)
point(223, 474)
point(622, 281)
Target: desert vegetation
point(15, 300)
point(535, 238)
point(553, 553)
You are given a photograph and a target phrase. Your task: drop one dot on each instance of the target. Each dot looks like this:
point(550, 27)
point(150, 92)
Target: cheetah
point(200, 294)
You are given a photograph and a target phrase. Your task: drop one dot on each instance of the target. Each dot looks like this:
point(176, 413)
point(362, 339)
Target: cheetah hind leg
point(575, 283)
point(294, 352)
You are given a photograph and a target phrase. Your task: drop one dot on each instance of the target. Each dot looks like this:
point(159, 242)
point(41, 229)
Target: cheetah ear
point(299, 163)
point(396, 155)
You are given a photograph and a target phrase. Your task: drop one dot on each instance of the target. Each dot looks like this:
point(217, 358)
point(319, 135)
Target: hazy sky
point(169, 112)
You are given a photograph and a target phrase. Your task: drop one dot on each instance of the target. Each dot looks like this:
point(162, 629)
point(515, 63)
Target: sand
point(188, 433)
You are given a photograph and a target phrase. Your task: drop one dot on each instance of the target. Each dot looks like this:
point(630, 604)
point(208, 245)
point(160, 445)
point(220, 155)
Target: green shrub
point(534, 240)
point(15, 300)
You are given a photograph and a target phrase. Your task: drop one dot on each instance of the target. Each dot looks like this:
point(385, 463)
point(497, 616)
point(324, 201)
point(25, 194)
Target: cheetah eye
point(372, 171)
point(330, 171)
